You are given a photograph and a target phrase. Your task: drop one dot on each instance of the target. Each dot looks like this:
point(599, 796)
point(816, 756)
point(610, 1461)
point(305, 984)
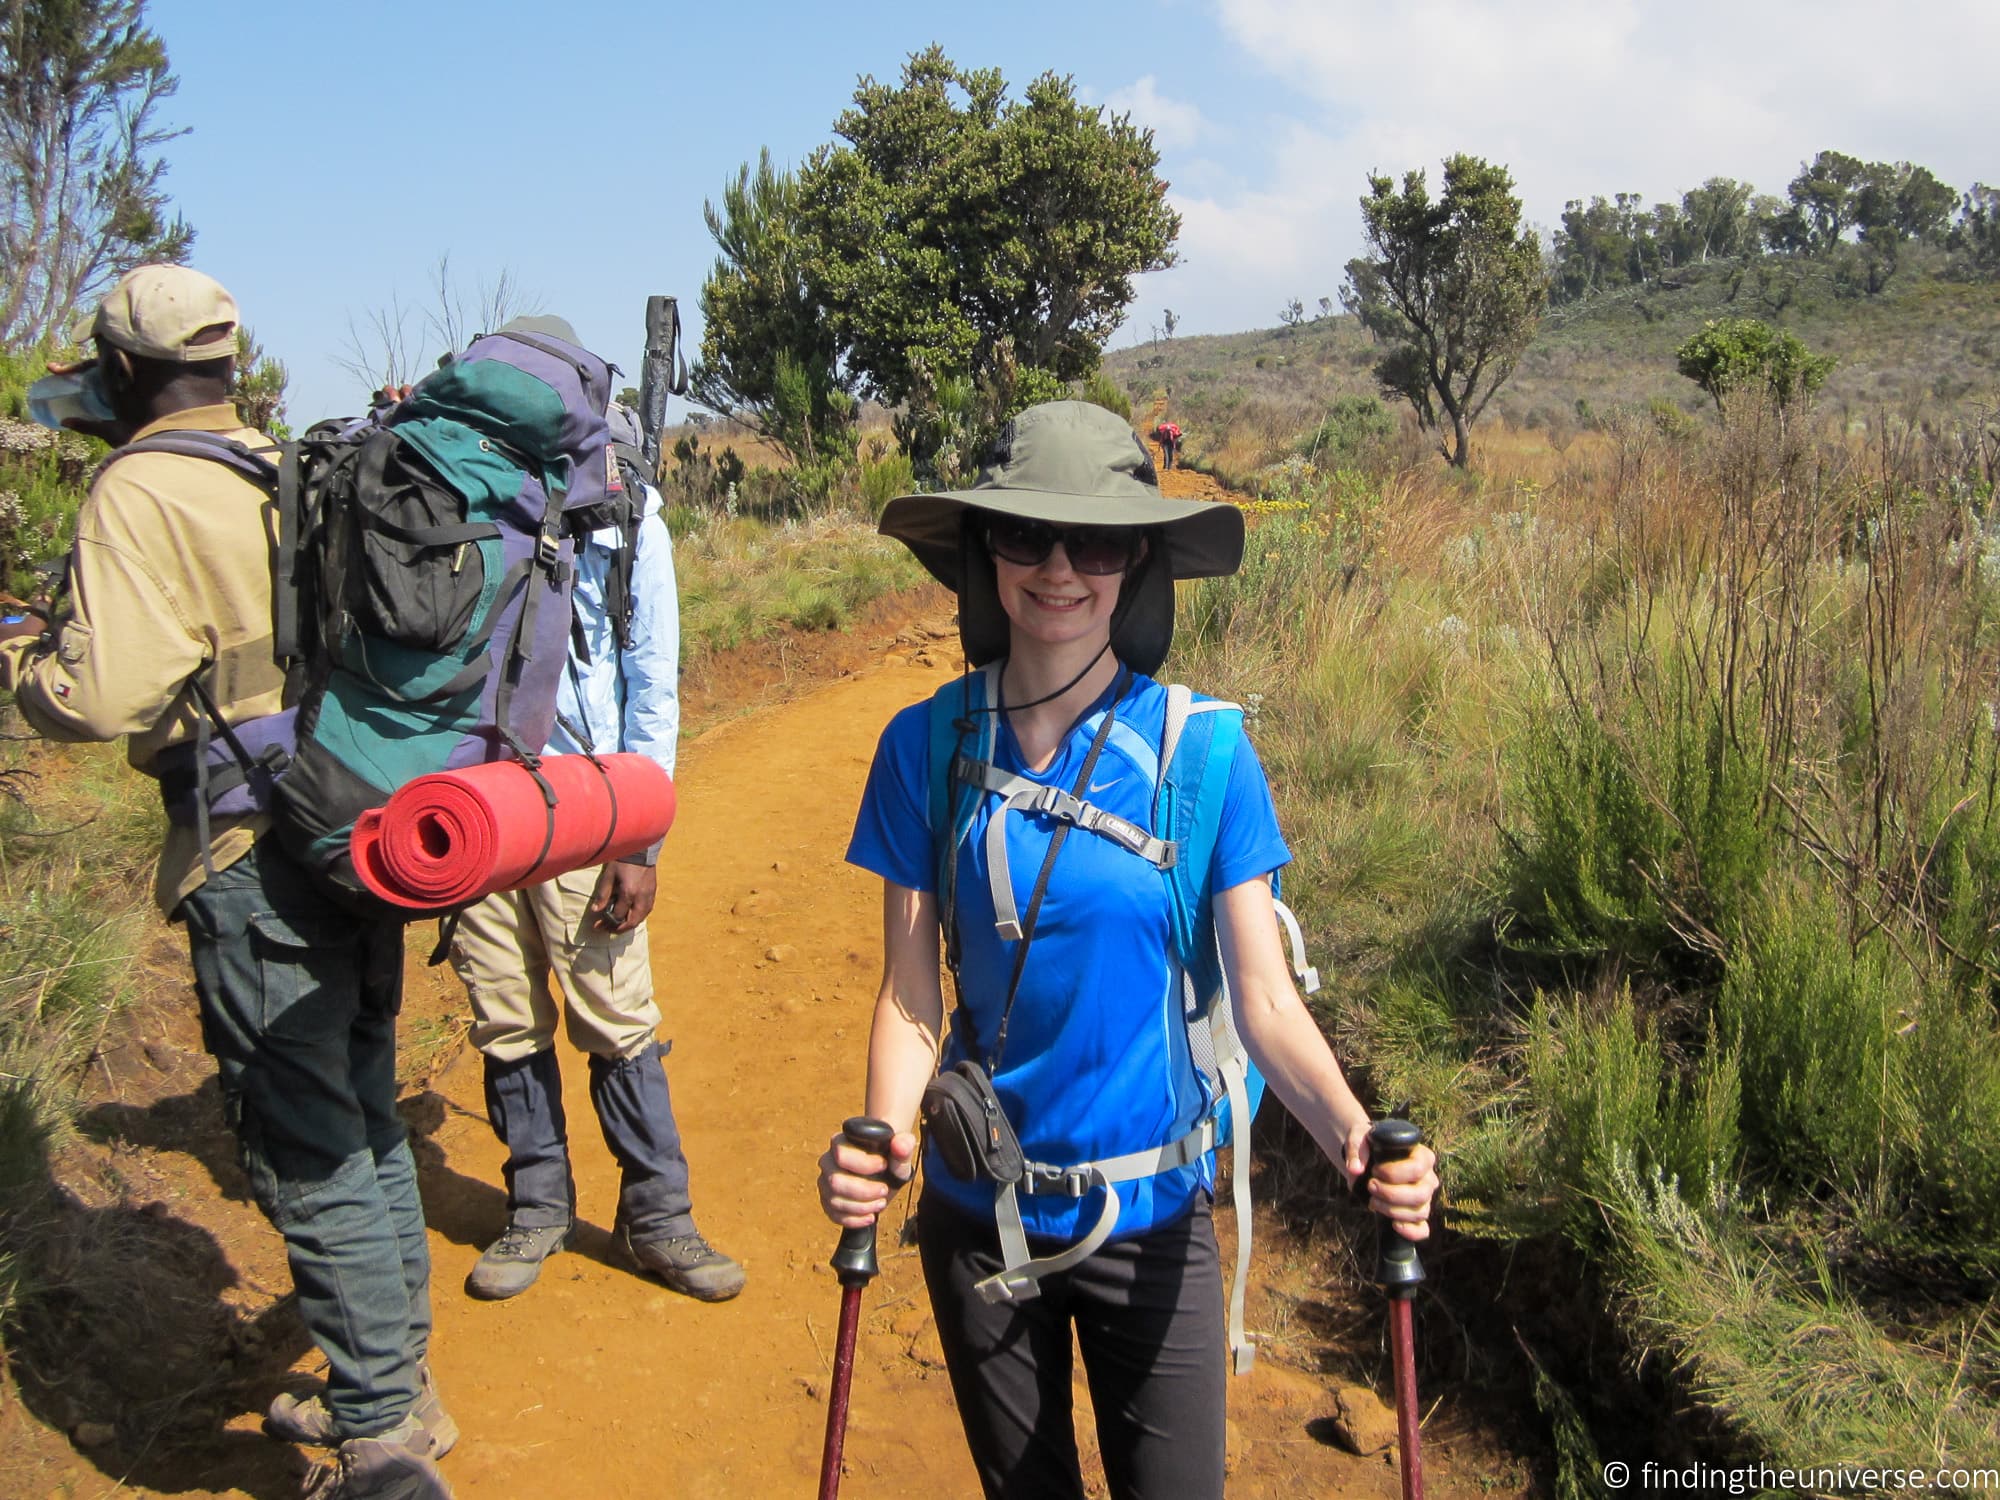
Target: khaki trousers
point(508, 947)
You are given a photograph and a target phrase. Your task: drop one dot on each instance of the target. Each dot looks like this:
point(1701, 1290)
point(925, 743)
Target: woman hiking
point(1070, 1031)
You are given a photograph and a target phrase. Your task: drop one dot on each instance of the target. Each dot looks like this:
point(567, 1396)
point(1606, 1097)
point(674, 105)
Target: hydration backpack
point(421, 595)
point(1198, 746)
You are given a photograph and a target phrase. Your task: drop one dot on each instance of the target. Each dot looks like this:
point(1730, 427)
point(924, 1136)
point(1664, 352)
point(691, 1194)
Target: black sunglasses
point(1099, 550)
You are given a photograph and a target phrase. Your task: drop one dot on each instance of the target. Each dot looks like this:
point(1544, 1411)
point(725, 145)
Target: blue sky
point(336, 152)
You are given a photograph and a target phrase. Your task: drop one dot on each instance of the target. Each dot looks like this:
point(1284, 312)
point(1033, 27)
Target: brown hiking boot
point(291, 1419)
point(513, 1262)
point(387, 1467)
point(687, 1263)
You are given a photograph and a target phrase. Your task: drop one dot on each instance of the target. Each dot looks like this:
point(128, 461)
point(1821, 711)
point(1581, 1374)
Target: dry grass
point(741, 580)
point(1412, 640)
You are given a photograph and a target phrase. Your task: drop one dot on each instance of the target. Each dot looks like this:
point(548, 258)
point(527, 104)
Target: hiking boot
point(687, 1263)
point(512, 1262)
point(387, 1467)
point(292, 1420)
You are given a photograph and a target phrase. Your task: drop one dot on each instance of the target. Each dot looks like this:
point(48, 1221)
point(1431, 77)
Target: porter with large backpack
point(421, 593)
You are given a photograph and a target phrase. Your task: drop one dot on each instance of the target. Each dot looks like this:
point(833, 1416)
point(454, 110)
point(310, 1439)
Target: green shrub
point(1671, 422)
point(1354, 430)
point(1608, 1097)
point(1101, 390)
point(884, 478)
point(1643, 842)
point(1814, 1017)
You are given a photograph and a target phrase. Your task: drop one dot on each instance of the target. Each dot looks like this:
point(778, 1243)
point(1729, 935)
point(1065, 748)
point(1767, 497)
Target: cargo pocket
point(308, 976)
point(580, 924)
point(74, 644)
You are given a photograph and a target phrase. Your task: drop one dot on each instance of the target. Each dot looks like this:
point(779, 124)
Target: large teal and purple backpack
point(421, 596)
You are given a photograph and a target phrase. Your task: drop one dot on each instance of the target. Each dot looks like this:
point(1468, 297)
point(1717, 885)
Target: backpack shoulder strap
point(273, 469)
point(1197, 748)
point(258, 465)
point(962, 715)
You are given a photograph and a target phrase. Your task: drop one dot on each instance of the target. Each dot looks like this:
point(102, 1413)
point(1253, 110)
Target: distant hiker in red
point(1168, 435)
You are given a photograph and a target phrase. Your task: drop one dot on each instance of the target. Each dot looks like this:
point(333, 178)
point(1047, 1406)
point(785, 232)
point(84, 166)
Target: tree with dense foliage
point(1715, 220)
point(1735, 354)
point(1900, 201)
point(1854, 217)
point(1823, 202)
point(80, 177)
point(964, 241)
point(1453, 286)
point(1030, 218)
point(1975, 238)
point(768, 351)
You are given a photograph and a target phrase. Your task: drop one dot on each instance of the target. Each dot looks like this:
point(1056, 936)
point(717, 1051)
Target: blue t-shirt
point(1096, 1061)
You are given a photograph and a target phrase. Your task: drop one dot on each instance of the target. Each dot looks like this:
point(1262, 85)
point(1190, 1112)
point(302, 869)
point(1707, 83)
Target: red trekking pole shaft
point(1398, 1272)
point(854, 1262)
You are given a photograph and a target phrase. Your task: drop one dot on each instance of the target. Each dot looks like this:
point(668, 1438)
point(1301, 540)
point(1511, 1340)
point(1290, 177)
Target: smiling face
point(1053, 604)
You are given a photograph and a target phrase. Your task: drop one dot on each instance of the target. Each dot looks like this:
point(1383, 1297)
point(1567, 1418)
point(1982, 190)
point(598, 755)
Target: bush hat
point(545, 324)
point(1069, 463)
point(624, 424)
point(159, 313)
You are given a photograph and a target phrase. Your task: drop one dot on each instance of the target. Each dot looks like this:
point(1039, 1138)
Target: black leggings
point(1148, 1316)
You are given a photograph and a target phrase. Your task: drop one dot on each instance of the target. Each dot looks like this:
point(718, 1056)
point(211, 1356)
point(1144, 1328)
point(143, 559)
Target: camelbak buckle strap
point(1019, 1280)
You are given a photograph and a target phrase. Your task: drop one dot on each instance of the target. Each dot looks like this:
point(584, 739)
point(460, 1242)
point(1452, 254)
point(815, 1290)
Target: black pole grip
point(854, 1261)
point(1397, 1268)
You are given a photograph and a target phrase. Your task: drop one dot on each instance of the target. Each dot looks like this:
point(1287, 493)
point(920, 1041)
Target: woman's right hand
point(852, 1191)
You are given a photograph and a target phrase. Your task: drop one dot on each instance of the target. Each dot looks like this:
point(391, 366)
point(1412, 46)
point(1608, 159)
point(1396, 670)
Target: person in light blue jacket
point(589, 928)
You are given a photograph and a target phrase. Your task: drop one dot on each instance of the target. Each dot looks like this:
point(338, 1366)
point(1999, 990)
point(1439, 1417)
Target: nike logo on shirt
point(1105, 786)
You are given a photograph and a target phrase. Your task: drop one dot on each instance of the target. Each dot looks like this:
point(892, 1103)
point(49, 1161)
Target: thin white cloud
point(1172, 121)
point(1576, 97)
point(1583, 96)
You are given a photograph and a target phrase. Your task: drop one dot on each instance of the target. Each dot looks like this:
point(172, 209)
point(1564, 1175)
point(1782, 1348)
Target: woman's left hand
point(1400, 1191)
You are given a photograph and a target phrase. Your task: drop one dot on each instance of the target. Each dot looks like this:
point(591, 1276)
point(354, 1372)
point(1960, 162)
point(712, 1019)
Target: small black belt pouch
point(963, 1117)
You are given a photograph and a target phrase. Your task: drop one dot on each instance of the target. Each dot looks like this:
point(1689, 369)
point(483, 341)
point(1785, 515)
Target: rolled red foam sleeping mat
point(448, 839)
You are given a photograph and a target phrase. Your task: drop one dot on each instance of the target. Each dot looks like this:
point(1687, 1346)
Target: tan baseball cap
point(162, 312)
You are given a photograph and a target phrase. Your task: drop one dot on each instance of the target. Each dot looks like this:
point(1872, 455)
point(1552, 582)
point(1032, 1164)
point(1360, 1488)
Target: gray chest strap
point(1021, 795)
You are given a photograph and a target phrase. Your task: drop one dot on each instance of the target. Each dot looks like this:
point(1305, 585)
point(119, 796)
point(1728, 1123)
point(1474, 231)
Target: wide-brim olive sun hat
point(1070, 463)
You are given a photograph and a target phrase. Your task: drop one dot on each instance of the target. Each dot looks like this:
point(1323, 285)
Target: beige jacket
point(171, 571)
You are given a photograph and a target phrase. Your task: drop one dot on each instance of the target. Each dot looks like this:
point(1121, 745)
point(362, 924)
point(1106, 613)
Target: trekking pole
point(854, 1263)
point(1398, 1272)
